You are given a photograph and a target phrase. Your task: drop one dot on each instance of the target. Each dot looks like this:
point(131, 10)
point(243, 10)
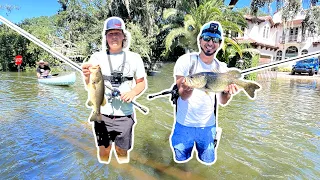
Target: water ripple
point(46, 135)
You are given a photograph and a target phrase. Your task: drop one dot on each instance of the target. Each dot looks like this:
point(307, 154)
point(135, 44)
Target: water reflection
point(304, 83)
point(45, 134)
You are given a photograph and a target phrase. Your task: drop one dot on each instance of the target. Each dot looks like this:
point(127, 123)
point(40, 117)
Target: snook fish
point(217, 82)
point(96, 92)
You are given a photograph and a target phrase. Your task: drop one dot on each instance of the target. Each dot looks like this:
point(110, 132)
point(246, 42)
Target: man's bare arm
point(140, 86)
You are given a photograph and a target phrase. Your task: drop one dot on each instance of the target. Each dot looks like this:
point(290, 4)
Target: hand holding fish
point(227, 82)
point(86, 71)
point(96, 89)
point(231, 89)
point(184, 86)
point(185, 91)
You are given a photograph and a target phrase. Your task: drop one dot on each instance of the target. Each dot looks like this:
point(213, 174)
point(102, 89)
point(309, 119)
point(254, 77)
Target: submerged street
point(45, 133)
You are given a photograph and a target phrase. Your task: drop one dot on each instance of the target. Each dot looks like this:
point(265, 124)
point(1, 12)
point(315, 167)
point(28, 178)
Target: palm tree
point(208, 11)
point(231, 52)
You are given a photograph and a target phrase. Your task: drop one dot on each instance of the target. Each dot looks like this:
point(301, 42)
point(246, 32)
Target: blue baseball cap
point(114, 23)
point(212, 29)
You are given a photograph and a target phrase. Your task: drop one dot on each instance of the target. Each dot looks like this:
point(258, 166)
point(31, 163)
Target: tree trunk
point(198, 3)
point(233, 3)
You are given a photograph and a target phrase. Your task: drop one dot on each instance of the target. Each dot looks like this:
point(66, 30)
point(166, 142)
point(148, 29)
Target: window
point(279, 56)
point(266, 30)
point(304, 52)
point(293, 34)
point(291, 51)
point(234, 34)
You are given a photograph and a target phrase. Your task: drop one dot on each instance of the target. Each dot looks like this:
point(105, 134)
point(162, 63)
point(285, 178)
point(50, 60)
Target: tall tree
point(232, 3)
point(8, 8)
point(211, 10)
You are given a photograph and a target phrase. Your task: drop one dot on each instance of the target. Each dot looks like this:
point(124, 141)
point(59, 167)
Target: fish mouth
point(187, 82)
point(95, 68)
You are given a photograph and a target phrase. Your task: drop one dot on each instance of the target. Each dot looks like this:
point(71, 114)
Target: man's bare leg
point(104, 153)
point(123, 155)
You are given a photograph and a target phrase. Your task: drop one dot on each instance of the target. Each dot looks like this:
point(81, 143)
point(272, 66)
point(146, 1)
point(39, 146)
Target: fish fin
point(104, 102)
point(89, 103)
point(234, 73)
point(88, 85)
point(93, 116)
point(251, 88)
point(215, 70)
point(93, 86)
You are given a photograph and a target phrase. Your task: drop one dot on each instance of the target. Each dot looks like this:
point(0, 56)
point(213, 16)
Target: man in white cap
point(196, 121)
point(125, 71)
point(43, 70)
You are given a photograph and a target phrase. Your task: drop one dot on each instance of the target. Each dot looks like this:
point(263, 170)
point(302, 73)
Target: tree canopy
point(156, 26)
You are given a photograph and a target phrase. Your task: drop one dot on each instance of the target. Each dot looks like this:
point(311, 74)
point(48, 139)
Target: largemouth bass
point(217, 82)
point(96, 92)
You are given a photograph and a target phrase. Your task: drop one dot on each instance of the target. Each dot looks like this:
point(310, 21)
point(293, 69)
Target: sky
point(29, 9)
point(37, 8)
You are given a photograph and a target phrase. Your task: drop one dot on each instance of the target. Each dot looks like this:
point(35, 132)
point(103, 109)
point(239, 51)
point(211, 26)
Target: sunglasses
point(208, 38)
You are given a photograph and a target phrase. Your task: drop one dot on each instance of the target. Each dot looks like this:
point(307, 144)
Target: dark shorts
point(114, 128)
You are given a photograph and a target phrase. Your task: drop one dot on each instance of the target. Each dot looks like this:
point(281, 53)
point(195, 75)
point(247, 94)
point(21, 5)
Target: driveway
point(296, 76)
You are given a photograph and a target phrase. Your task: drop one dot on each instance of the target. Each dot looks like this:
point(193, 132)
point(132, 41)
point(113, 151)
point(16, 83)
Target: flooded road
point(44, 133)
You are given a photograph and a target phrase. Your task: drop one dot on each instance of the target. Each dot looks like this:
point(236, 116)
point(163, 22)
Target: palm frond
point(171, 37)
point(167, 13)
point(234, 44)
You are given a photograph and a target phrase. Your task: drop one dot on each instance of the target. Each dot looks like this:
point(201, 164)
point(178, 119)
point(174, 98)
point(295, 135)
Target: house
point(276, 40)
point(67, 49)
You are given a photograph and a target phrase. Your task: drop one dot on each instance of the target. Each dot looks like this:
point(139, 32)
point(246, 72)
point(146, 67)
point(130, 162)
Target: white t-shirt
point(133, 67)
point(198, 110)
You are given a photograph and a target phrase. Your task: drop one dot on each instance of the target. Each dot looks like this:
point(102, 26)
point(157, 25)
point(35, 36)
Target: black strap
point(109, 78)
point(193, 64)
point(123, 62)
point(215, 107)
point(116, 117)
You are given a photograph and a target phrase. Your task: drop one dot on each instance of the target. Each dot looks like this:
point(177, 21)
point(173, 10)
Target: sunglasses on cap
point(208, 38)
point(212, 28)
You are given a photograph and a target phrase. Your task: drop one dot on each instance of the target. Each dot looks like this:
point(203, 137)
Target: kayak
point(152, 72)
point(59, 80)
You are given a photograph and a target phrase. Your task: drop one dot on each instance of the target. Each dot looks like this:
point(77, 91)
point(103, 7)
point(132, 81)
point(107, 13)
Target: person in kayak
point(43, 70)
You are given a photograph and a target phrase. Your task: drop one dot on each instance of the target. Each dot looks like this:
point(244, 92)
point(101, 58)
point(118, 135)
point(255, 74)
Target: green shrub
point(284, 69)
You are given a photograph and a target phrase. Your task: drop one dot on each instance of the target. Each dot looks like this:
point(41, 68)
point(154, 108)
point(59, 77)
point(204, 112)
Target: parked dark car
point(310, 66)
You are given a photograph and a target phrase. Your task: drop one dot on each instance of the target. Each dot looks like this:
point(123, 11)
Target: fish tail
point(99, 117)
point(96, 117)
point(251, 88)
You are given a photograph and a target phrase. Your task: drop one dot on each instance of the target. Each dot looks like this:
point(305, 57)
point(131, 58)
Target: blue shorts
point(184, 138)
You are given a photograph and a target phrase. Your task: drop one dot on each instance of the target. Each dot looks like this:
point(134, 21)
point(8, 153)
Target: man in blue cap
point(124, 70)
point(196, 120)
